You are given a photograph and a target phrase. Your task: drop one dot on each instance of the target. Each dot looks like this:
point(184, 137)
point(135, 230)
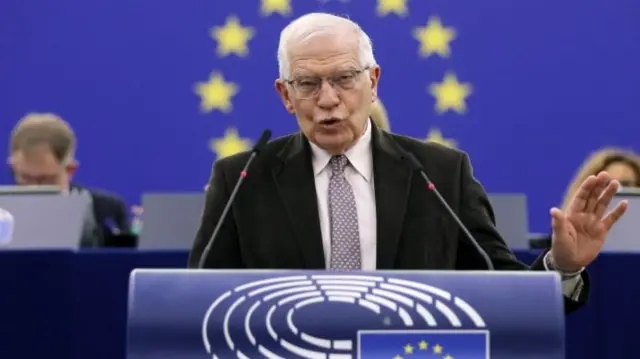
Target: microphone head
point(262, 141)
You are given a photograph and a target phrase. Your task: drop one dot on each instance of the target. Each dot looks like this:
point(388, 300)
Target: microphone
point(259, 146)
point(417, 166)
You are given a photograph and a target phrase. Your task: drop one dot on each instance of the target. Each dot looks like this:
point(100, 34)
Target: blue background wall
point(551, 81)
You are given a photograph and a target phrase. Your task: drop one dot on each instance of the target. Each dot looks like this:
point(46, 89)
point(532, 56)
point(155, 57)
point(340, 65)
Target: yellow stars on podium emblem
point(434, 38)
point(436, 136)
point(230, 144)
point(450, 94)
point(422, 346)
point(232, 38)
point(399, 7)
point(216, 94)
point(282, 7)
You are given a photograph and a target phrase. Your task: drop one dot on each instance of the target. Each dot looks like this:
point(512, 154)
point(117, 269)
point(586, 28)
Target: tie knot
point(338, 164)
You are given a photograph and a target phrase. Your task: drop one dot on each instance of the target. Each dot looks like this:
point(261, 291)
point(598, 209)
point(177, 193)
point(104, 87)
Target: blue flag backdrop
point(157, 90)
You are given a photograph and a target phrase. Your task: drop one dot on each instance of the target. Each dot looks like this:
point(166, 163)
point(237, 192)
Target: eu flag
point(441, 344)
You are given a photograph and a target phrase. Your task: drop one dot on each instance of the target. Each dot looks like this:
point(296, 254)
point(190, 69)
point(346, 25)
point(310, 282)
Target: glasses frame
point(295, 82)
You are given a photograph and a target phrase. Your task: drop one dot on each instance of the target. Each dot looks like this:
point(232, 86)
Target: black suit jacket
point(274, 221)
point(109, 211)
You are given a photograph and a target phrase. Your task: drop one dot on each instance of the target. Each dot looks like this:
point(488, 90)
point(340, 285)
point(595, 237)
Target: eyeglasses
point(307, 87)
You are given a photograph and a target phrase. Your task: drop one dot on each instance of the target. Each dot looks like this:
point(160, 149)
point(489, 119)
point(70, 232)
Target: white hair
point(318, 23)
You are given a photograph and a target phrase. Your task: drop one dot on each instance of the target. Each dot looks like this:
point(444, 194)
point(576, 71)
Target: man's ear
point(374, 78)
point(283, 91)
point(72, 167)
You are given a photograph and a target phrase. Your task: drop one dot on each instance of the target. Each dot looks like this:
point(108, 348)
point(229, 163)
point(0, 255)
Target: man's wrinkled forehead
point(324, 47)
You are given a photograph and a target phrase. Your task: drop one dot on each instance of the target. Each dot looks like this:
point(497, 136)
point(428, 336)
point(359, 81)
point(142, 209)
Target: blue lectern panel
point(186, 314)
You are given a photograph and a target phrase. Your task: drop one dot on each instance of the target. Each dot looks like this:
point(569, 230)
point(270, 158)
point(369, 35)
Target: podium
point(198, 314)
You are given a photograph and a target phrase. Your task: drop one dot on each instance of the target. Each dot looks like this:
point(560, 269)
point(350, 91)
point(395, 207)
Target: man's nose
point(328, 96)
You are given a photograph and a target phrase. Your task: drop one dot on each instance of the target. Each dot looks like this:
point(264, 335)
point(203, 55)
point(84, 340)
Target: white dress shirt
point(359, 173)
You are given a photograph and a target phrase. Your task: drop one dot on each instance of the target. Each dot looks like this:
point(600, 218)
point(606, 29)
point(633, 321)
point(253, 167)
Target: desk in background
point(65, 305)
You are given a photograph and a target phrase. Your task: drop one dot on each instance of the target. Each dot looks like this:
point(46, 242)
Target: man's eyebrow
point(302, 74)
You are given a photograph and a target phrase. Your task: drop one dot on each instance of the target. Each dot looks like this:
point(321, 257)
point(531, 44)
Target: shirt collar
point(359, 156)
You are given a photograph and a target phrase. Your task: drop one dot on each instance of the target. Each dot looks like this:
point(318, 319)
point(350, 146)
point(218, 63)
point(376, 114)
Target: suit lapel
point(392, 180)
point(296, 186)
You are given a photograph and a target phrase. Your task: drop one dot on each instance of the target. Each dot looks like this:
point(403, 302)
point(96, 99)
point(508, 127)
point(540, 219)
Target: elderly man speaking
point(341, 195)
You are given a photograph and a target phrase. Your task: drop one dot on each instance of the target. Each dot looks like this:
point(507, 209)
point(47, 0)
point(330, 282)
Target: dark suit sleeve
point(477, 214)
point(225, 250)
point(121, 215)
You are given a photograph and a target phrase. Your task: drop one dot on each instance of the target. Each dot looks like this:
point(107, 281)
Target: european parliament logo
point(342, 316)
point(6, 226)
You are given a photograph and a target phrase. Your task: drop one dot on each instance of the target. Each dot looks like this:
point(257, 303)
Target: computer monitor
point(512, 218)
point(28, 190)
point(625, 234)
point(45, 221)
point(170, 220)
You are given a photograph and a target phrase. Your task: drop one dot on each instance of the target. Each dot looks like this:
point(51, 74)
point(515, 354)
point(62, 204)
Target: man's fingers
point(602, 181)
point(613, 216)
point(605, 198)
point(579, 201)
point(557, 219)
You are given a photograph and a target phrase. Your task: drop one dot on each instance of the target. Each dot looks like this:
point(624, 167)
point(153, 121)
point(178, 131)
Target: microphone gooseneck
point(417, 166)
point(257, 149)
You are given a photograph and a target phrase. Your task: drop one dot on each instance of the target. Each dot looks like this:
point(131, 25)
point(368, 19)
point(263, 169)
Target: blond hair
point(597, 162)
point(44, 129)
point(379, 116)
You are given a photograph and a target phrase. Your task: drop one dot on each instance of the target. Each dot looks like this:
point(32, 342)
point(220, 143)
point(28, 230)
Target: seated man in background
point(42, 152)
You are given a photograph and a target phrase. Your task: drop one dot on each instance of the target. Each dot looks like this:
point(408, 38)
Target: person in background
point(620, 164)
point(42, 152)
point(379, 116)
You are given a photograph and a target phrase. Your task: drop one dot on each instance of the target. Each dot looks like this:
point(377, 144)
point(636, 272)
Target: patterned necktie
point(345, 235)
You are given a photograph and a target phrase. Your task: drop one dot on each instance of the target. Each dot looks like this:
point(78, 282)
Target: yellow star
point(435, 136)
point(399, 7)
point(450, 94)
point(232, 37)
point(434, 38)
point(448, 357)
point(216, 93)
point(408, 349)
point(423, 344)
point(230, 144)
point(438, 349)
point(268, 7)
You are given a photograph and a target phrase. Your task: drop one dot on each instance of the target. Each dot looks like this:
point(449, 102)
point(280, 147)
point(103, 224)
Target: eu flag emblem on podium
point(440, 344)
